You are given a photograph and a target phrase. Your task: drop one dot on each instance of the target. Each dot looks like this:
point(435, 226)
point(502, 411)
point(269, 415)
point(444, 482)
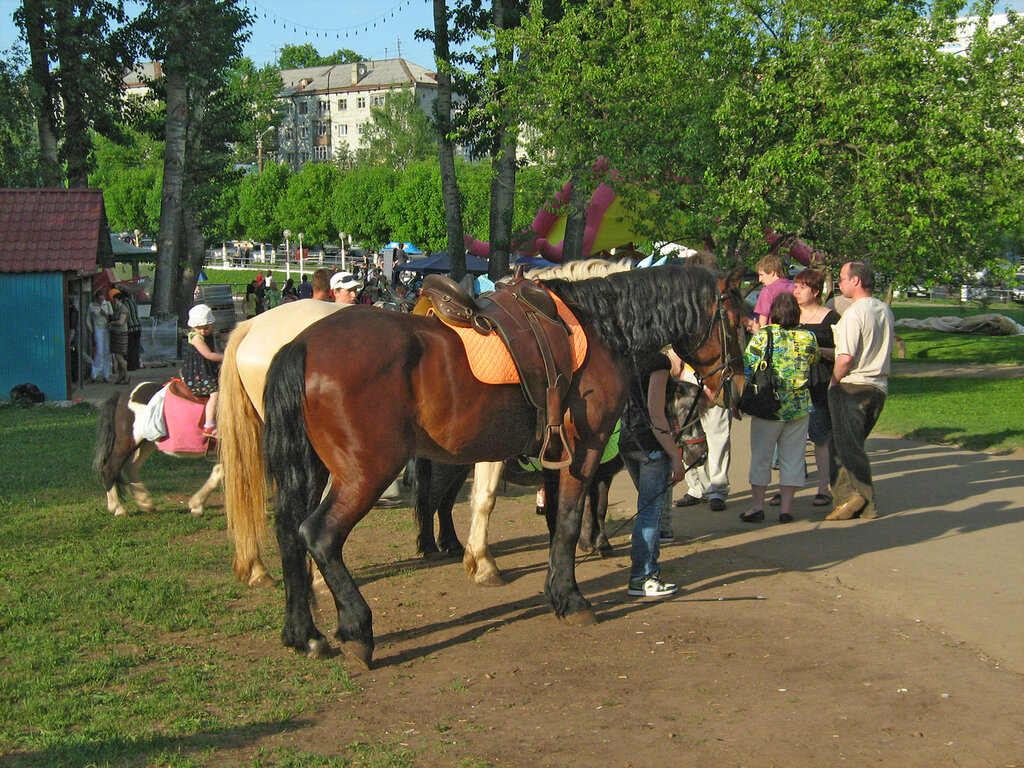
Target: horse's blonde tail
point(240, 432)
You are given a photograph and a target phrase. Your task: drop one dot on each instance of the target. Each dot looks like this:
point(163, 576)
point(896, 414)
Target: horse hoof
point(360, 652)
point(318, 649)
point(196, 512)
point(266, 581)
point(584, 618)
point(494, 580)
point(605, 551)
point(120, 512)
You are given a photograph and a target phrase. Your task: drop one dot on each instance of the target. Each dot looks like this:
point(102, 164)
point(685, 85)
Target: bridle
point(719, 319)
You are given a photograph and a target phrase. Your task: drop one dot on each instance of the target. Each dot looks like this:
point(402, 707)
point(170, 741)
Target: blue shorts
point(820, 425)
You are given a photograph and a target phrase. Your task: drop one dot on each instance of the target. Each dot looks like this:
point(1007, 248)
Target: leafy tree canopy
point(306, 204)
point(399, 132)
point(258, 195)
point(19, 141)
point(298, 56)
point(130, 173)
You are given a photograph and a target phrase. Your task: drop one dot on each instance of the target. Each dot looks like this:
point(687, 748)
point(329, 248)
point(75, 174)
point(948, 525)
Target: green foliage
point(298, 56)
point(19, 140)
point(398, 133)
point(130, 173)
point(844, 123)
point(360, 202)
point(306, 204)
point(258, 196)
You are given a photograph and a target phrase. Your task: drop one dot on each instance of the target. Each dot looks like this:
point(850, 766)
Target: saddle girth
point(525, 318)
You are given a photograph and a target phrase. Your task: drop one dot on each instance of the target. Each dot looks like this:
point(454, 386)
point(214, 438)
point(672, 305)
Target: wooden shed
point(51, 243)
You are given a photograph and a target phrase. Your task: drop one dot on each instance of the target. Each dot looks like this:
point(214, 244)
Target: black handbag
point(760, 392)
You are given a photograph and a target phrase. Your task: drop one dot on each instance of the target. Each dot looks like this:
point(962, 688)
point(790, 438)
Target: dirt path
point(888, 642)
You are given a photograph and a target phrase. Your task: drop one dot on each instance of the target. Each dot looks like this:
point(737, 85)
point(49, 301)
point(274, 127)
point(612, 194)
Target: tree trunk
point(504, 163)
point(576, 217)
point(45, 89)
point(171, 199)
point(445, 149)
point(77, 142)
point(193, 256)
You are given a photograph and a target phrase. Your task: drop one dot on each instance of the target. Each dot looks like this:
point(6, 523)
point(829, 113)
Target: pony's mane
point(574, 271)
point(642, 310)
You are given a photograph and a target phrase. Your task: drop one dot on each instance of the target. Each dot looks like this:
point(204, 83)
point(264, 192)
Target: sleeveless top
point(198, 373)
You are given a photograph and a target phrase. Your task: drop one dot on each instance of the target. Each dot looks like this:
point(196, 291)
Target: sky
point(375, 30)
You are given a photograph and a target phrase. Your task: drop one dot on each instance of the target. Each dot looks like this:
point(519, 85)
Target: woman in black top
point(807, 290)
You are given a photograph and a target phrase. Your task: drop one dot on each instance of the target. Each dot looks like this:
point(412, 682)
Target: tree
point(307, 200)
point(843, 123)
point(360, 200)
point(414, 210)
point(299, 56)
point(79, 54)
point(258, 197)
point(398, 133)
point(130, 173)
point(20, 158)
point(196, 40)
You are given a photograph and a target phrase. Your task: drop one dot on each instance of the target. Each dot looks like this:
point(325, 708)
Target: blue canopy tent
point(440, 263)
point(409, 248)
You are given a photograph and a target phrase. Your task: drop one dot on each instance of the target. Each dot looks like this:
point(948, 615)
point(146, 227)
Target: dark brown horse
point(359, 393)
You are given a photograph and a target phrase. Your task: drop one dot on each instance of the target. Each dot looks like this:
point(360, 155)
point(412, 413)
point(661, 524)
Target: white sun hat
point(199, 316)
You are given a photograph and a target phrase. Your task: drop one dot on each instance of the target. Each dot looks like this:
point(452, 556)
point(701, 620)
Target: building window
point(321, 154)
point(325, 107)
point(360, 103)
point(303, 131)
point(342, 130)
point(304, 157)
point(323, 128)
point(302, 108)
point(291, 158)
point(342, 103)
point(362, 128)
point(378, 101)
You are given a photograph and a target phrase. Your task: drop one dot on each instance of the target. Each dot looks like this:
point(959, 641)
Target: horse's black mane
point(643, 310)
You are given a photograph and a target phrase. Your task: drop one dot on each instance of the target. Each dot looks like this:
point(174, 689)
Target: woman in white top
point(100, 313)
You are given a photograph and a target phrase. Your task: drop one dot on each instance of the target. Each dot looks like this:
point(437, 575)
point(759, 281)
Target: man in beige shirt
point(856, 396)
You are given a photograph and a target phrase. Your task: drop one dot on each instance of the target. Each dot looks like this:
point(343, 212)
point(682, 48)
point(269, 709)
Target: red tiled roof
point(50, 230)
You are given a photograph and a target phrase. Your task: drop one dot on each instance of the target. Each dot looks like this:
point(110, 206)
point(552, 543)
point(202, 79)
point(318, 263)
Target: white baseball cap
point(344, 280)
point(199, 316)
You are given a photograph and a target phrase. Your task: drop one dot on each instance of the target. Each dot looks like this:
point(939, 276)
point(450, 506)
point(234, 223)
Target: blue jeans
point(650, 473)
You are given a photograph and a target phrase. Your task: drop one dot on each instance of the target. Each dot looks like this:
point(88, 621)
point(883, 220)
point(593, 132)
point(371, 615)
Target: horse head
point(684, 408)
point(718, 359)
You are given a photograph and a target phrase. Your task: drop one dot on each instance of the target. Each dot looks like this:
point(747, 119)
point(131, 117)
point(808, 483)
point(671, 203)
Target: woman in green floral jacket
point(794, 352)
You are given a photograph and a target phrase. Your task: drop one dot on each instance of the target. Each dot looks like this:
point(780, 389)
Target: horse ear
point(735, 278)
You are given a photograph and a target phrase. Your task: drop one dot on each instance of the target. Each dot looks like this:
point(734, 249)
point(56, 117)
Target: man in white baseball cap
point(345, 287)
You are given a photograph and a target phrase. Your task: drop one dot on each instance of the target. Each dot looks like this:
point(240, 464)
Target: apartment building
point(327, 109)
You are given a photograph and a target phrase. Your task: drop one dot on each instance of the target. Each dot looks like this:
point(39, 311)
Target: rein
point(725, 361)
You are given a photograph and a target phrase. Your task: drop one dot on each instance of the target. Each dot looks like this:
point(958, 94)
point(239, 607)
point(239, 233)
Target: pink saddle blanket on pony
point(185, 414)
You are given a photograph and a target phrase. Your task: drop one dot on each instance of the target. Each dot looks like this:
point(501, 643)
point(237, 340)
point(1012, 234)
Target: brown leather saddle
point(525, 318)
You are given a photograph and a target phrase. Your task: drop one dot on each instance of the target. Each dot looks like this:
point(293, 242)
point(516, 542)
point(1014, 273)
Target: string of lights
point(339, 33)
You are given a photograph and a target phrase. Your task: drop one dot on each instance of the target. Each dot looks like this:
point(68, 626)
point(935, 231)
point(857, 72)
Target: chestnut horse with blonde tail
point(357, 394)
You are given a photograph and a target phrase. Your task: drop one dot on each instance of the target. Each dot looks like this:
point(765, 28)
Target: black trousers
point(854, 409)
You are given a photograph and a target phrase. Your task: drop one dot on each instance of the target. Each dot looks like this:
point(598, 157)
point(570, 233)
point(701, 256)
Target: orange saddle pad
point(489, 358)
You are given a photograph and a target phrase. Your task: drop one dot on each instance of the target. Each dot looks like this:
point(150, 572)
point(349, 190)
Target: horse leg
point(299, 631)
point(589, 524)
point(324, 533)
point(451, 480)
point(560, 587)
point(423, 472)
point(138, 489)
point(599, 489)
point(479, 563)
point(195, 504)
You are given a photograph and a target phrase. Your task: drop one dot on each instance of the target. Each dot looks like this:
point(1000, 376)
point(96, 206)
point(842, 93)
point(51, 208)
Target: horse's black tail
point(106, 436)
point(422, 469)
point(292, 463)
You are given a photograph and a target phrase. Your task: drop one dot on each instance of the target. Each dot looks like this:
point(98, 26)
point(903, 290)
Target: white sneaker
point(652, 587)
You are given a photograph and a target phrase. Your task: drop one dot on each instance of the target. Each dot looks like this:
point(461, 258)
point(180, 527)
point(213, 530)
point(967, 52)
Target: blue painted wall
point(32, 333)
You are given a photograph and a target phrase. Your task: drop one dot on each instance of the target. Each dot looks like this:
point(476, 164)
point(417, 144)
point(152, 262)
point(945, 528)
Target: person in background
point(857, 390)
point(200, 366)
point(794, 352)
point(273, 297)
point(271, 282)
point(134, 356)
point(100, 312)
point(289, 292)
point(305, 288)
point(322, 285)
point(345, 288)
point(709, 482)
point(772, 276)
point(119, 336)
point(654, 463)
point(249, 303)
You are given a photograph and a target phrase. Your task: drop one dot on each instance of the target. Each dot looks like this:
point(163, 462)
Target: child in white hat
point(201, 365)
